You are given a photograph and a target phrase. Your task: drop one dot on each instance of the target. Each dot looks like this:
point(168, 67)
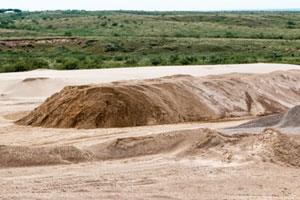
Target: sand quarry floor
point(148, 177)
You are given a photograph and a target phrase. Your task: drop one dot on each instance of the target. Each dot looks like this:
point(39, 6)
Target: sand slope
point(38, 87)
point(290, 119)
point(172, 99)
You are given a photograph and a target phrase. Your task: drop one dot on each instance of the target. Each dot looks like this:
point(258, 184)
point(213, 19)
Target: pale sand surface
point(149, 177)
point(11, 83)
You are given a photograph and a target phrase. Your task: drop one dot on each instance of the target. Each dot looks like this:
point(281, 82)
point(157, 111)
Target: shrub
point(68, 33)
point(291, 24)
point(113, 47)
point(187, 60)
point(156, 61)
point(70, 64)
point(131, 61)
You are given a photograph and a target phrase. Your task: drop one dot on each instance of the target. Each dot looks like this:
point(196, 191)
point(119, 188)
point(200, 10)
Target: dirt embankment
point(165, 100)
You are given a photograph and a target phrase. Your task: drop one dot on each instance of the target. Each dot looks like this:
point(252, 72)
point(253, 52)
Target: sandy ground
point(149, 177)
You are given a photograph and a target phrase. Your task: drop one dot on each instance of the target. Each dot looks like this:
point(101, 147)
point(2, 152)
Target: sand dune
point(172, 99)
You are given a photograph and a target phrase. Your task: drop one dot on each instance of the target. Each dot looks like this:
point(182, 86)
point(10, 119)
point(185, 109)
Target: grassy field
point(105, 39)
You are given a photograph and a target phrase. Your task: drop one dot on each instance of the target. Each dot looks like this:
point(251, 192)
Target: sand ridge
point(171, 99)
point(270, 146)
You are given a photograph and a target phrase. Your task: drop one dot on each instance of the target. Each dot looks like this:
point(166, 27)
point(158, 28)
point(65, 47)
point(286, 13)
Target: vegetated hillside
point(167, 100)
point(101, 39)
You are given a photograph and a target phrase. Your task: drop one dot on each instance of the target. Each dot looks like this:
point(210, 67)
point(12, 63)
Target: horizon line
point(140, 10)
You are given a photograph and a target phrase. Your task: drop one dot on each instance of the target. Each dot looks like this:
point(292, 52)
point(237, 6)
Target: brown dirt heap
point(165, 100)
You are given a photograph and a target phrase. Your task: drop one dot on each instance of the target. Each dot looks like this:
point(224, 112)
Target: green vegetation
point(104, 39)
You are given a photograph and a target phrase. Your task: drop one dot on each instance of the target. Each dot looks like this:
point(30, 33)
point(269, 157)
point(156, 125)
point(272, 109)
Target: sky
point(156, 5)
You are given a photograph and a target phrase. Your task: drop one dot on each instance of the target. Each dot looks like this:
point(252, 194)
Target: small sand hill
point(172, 99)
point(269, 146)
point(39, 87)
point(18, 156)
point(167, 143)
point(289, 119)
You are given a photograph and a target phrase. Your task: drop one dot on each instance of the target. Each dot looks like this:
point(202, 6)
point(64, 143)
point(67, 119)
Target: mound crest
point(166, 100)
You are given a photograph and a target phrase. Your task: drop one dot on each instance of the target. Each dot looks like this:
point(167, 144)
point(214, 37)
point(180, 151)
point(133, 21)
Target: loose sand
point(174, 161)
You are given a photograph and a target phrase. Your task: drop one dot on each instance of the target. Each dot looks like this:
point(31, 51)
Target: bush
point(291, 24)
point(173, 59)
point(68, 33)
point(187, 60)
point(20, 67)
point(70, 64)
point(156, 61)
point(131, 61)
point(113, 47)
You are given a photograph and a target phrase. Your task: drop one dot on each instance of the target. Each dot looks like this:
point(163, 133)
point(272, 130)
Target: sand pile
point(269, 146)
point(289, 119)
point(170, 99)
point(18, 156)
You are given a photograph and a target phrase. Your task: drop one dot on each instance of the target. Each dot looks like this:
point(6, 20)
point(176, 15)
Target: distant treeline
point(12, 10)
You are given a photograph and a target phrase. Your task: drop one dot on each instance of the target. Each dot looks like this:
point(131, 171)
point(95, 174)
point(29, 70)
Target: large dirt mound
point(269, 146)
point(171, 99)
point(290, 119)
point(18, 156)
